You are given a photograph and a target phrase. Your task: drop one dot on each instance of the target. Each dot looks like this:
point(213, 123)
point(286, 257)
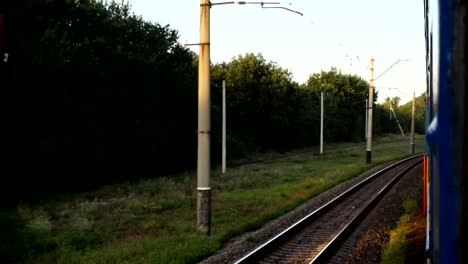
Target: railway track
point(315, 238)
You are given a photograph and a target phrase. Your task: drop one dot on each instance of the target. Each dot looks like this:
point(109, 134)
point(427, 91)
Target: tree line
point(94, 94)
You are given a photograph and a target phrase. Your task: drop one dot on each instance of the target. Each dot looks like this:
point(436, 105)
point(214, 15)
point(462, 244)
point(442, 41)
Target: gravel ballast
point(387, 213)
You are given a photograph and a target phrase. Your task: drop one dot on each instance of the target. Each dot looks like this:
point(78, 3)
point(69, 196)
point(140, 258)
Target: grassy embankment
point(154, 221)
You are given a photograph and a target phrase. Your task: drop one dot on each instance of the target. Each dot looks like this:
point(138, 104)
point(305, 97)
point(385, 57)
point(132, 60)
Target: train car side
point(446, 121)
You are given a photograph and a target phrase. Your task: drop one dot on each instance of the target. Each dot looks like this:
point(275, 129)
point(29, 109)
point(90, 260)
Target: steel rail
point(334, 243)
point(279, 239)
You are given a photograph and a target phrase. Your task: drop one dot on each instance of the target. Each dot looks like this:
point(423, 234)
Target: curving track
point(314, 238)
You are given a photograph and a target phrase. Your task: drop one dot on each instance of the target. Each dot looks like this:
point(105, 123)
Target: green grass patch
point(395, 251)
point(154, 221)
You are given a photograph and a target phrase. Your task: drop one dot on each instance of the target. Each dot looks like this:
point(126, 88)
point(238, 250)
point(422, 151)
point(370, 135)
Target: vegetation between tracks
point(154, 221)
point(407, 240)
point(395, 250)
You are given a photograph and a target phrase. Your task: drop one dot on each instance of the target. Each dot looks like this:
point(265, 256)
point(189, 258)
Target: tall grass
point(154, 221)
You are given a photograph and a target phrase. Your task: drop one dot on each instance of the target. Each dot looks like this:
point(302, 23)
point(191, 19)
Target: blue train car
point(446, 127)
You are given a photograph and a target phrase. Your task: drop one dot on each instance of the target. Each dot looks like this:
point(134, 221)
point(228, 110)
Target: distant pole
point(390, 110)
point(321, 122)
point(398, 122)
point(412, 125)
point(371, 104)
point(367, 109)
point(204, 123)
point(224, 128)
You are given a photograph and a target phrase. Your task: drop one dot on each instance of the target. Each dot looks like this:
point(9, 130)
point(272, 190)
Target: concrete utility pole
point(371, 104)
point(412, 124)
point(204, 125)
point(390, 110)
point(204, 115)
point(321, 122)
point(369, 111)
point(223, 170)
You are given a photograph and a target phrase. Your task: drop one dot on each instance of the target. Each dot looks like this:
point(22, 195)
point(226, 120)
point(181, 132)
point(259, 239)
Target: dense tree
point(92, 89)
point(94, 95)
point(386, 122)
point(344, 102)
point(404, 112)
point(394, 102)
point(260, 102)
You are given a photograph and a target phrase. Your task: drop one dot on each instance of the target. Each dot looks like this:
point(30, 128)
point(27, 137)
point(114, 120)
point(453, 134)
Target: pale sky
point(332, 33)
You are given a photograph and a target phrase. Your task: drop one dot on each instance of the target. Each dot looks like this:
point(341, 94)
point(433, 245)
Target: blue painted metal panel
point(447, 185)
